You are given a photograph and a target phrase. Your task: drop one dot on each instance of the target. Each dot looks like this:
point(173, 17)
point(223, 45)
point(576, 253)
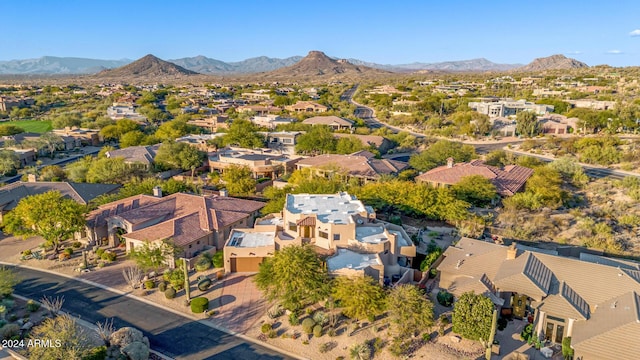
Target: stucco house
point(334, 122)
point(361, 165)
point(593, 299)
point(338, 225)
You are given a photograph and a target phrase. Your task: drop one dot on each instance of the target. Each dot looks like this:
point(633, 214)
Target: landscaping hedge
point(203, 264)
point(149, 284)
point(445, 298)
point(199, 304)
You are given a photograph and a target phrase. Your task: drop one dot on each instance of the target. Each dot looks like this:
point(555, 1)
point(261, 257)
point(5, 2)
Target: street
point(173, 335)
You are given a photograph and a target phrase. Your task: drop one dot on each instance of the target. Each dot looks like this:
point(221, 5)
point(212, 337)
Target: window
point(189, 246)
point(293, 227)
point(323, 234)
point(198, 242)
point(336, 237)
point(286, 141)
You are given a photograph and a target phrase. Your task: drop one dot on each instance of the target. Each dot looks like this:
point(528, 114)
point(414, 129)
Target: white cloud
point(635, 32)
point(614, 52)
point(573, 52)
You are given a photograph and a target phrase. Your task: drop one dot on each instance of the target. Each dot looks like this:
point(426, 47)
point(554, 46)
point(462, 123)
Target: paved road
point(171, 334)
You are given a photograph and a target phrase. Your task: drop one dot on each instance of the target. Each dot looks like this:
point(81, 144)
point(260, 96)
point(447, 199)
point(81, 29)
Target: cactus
point(492, 334)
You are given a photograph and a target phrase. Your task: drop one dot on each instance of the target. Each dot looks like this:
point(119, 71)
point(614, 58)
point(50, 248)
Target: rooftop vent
point(459, 263)
point(614, 304)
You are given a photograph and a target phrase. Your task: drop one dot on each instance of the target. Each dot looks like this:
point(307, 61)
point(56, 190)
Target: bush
point(272, 334)
point(64, 256)
point(307, 325)
point(162, 286)
point(376, 344)
point(32, 306)
point(326, 347)
point(68, 251)
point(218, 259)
point(76, 244)
point(170, 293)
point(99, 252)
point(175, 278)
point(203, 264)
point(27, 252)
point(445, 298)
point(526, 333)
point(265, 328)
point(275, 311)
point(317, 331)
point(320, 318)
point(293, 319)
point(149, 284)
point(9, 331)
point(567, 351)
point(109, 256)
point(502, 323)
point(97, 353)
point(2, 323)
point(199, 305)
point(332, 332)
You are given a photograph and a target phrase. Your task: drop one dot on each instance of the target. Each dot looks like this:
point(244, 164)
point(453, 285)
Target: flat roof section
point(335, 208)
point(370, 234)
point(251, 239)
point(347, 259)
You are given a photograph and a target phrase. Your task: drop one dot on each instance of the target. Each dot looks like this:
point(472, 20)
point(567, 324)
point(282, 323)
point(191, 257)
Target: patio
point(510, 344)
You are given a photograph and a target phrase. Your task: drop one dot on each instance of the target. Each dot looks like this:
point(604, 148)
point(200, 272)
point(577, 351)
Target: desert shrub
point(502, 323)
point(294, 320)
point(526, 333)
point(99, 252)
point(325, 347)
point(76, 244)
point(32, 306)
point(320, 318)
point(149, 284)
point(307, 325)
point(218, 259)
point(7, 303)
point(445, 298)
point(265, 328)
point(376, 344)
point(272, 334)
point(175, 278)
point(162, 286)
point(317, 330)
point(170, 293)
point(64, 256)
point(275, 311)
point(199, 304)
point(27, 252)
point(97, 353)
point(109, 256)
point(332, 332)
point(8, 331)
point(68, 251)
point(203, 264)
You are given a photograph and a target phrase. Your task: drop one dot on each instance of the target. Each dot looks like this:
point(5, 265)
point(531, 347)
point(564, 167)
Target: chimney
point(157, 191)
point(450, 162)
point(512, 251)
point(31, 178)
point(224, 192)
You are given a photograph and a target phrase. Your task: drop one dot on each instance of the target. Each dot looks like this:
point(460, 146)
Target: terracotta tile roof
point(355, 165)
point(508, 181)
point(99, 216)
point(182, 231)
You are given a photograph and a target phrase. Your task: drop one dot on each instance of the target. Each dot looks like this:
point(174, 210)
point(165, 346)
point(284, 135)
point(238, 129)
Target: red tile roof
point(508, 181)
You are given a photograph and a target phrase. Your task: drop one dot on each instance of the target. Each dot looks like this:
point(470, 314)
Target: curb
point(85, 324)
point(148, 302)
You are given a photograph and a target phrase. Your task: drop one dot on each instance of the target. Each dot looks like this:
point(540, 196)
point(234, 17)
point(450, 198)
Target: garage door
point(248, 264)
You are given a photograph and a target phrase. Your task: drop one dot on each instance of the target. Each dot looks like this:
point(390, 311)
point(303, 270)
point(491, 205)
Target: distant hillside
point(52, 65)
point(316, 64)
point(148, 66)
point(205, 65)
point(553, 62)
point(481, 64)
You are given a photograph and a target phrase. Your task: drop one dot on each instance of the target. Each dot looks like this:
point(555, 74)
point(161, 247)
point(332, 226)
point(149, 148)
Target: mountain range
point(50, 65)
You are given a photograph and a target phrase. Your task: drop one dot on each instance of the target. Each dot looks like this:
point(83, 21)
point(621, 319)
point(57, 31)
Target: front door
point(554, 330)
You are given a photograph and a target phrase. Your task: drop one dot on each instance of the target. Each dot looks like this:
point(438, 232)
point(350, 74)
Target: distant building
point(379, 142)
point(361, 165)
point(8, 103)
point(283, 141)
point(270, 121)
point(334, 122)
point(593, 104)
point(263, 163)
point(307, 106)
point(508, 180)
point(504, 108)
point(136, 155)
point(118, 112)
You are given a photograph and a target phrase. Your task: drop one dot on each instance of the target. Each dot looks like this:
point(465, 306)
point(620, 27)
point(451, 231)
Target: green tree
point(121, 127)
point(66, 120)
point(433, 253)
point(52, 173)
point(243, 133)
point(132, 138)
point(174, 129)
point(9, 162)
point(8, 280)
point(239, 180)
point(410, 312)
point(348, 145)
point(527, 124)
point(360, 297)
point(51, 142)
point(438, 153)
point(475, 189)
point(110, 171)
point(318, 140)
point(74, 341)
point(77, 171)
point(294, 276)
point(7, 130)
point(49, 215)
point(179, 155)
point(472, 316)
point(153, 256)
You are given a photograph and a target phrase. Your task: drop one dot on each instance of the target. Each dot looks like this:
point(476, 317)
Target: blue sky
point(387, 32)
